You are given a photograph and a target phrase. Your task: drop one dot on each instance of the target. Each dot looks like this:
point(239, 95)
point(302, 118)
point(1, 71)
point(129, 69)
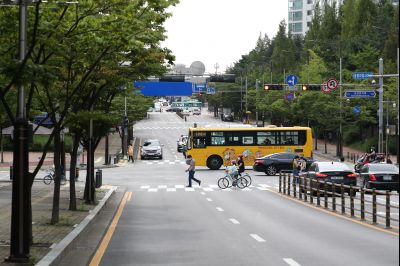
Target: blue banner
point(154, 88)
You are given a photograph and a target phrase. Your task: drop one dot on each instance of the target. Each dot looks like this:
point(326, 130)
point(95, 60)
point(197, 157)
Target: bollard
point(305, 189)
point(318, 194)
point(325, 195)
point(387, 209)
point(300, 188)
point(76, 173)
point(311, 191)
point(342, 198)
point(294, 186)
point(11, 172)
point(333, 197)
point(354, 158)
point(280, 182)
point(348, 155)
point(362, 204)
point(99, 178)
point(288, 185)
point(351, 201)
point(284, 183)
point(374, 206)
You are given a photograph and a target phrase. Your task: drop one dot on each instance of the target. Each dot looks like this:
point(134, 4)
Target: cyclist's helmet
point(233, 162)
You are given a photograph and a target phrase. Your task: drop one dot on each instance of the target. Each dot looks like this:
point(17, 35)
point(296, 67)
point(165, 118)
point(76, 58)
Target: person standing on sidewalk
point(191, 169)
point(130, 153)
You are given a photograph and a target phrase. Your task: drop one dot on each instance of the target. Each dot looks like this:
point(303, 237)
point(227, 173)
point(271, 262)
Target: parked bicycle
point(226, 182)
point(49, 177)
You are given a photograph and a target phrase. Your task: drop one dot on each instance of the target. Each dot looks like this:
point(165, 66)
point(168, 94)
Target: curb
point(60, 249)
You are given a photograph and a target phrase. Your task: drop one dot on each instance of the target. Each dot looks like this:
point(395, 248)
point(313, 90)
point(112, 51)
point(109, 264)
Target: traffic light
point(226, 78)
point(273, 87)
point(311, 87)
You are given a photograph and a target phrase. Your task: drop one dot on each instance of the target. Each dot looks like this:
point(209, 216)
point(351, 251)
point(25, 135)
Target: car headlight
point(159, 152)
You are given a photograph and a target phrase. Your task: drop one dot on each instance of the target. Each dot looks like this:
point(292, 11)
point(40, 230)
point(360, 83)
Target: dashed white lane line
point(291, 262)
point(234, 221)
point(179, 186)
point(152, 190)
point(162, 186)
point(171, 189)
point(145, 187)
point(220, 209)
point(208, 199)
point(257, 238)
point(189, 189)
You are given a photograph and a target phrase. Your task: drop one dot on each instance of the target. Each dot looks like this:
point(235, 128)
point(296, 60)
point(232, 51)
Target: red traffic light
point(266, 87)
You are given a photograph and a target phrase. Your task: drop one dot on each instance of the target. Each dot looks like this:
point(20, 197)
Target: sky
point(220, 31)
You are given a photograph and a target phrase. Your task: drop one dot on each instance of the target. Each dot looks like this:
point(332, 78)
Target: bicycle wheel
point(223, 182)
point(47, 179)
point(241, 183)
point(248, 178)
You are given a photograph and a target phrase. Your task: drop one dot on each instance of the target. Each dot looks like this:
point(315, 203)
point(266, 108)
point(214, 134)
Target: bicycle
point(49, 177)
point(247, 177)
point(225, 182)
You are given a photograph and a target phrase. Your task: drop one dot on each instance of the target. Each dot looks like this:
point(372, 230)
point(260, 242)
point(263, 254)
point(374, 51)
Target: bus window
point(233, 138)
point(217, 138)
point(199, 143)
point(248, 140)
point(261, 138)
point(272, 137)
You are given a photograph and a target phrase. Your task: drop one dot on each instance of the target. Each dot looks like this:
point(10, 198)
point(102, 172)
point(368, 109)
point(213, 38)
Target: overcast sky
point(220, 31)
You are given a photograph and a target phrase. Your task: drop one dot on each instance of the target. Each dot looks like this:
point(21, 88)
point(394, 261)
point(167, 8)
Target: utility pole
point(257, 101)
point(380, 108)
point(21, 193)
point(216, 66)
point(340, 153)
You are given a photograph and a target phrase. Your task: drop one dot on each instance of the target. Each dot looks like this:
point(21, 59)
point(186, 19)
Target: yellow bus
point(214, 147)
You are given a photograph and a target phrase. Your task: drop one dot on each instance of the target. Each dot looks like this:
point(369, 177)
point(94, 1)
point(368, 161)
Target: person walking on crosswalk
point(130, 153)
point(191, 169)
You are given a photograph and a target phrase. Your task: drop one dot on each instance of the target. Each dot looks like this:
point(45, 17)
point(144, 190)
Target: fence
point(308, 189)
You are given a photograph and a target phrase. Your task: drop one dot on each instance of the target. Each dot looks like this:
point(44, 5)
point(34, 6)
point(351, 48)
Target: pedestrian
point(302, 163)
point(240, 163)
point(130, 153)
point(296, 166)
point(191, 169)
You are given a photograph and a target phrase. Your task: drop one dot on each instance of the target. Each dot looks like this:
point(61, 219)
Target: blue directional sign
point(289, 96)
point(359, 94)
point(291, 80)
point(362, 75)
point(357, 110)
point(210, 90)
point(200, 88)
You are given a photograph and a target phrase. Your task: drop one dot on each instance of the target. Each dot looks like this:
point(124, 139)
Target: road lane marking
point(144, 187)
point(152, 190)
point(189, 189)
point(162, 186)
point(208, 199)
point(234, 221)
point(220, 209)
point(171, 189)
point(335, 214)
point(291, 262)
point(129, 196)
point(208, 189)
point(257, 238)
point(107, 237)
point(179, 186)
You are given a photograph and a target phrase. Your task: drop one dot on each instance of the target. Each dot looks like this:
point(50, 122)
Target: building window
point(295, 4)
point(308, 24)
point(309, 12)
point(296, 27)
point(309, 2)
point(295, 16)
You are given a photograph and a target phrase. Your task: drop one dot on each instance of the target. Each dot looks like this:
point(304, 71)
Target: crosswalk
point(208, 188)
point(164, 162)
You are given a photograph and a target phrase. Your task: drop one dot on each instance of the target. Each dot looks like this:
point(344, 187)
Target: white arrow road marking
point(208, 199)
point(234, 221)
point(220, 209)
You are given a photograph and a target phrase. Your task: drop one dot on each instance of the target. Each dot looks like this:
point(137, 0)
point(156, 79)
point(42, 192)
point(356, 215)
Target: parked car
point(182, 142)
point(187, 112)
point(151, 148)
point(379, 176)
point(273, 163)
point(228, 118)
point(196, 112)
point(332, 172)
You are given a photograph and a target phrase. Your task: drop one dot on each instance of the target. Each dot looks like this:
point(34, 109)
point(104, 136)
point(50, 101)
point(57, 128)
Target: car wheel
point(271, 170)
point(214, 162)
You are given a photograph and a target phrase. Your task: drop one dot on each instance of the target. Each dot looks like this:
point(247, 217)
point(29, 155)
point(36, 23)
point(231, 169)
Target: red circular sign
point(325, 88)
point(332, 84)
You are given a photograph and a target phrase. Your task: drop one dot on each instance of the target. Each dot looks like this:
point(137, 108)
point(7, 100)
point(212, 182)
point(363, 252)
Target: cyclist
point(240, 164)
point(232, 172)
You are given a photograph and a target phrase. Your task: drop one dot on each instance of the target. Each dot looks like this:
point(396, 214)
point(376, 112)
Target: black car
point(379, 176)
point(273, 163)
point(332, 172)
point(174, 109)
point(228, 118)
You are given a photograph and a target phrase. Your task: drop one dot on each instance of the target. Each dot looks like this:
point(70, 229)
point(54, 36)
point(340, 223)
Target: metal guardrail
point(308, 189)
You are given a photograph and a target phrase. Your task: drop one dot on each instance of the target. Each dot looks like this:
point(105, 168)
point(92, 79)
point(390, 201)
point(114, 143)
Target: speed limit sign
point(332, 84)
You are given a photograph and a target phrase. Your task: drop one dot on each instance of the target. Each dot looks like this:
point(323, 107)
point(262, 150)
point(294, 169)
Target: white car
point(196, 112)
point(186, 112)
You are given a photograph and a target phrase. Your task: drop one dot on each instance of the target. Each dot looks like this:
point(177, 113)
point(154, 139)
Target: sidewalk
point(45, 235)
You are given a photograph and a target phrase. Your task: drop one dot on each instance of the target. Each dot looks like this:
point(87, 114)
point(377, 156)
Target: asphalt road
point(165, 223)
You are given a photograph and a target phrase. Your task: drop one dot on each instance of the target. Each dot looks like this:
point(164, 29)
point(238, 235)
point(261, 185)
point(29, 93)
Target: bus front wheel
point(214, 162)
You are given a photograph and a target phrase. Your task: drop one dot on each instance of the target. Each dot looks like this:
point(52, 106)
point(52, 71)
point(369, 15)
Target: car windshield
point(383, 167)
point(151, 144)
point(327, 167)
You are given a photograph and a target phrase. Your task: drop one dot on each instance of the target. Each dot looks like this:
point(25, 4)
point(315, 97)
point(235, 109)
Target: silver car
point(151, 148)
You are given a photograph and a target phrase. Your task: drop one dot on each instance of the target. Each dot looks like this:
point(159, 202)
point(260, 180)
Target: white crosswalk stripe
point(209, 188)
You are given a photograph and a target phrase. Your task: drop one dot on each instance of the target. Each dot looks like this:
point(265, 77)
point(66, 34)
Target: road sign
point(362, 75)
point(291, 88)
point(357, 110)
point(210, 90)
point(324, 88)
point(200, 88)
point(359, 94)
point(289, 96)
point(291, 80)
point(332, 84)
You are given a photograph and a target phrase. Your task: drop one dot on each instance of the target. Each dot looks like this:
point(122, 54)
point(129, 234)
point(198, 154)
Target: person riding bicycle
point(232, 172)
point(240, 164)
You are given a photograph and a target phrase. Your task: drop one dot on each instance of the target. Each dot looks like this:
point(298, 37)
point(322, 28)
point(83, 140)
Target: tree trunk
point(89, 185)
point(57, 165)
point(326, 143)
point(1, 145)
point(316, 140)
point(72, 172)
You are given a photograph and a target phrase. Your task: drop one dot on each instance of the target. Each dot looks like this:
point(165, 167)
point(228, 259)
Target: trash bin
point(99, 178)
point(11, 172)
